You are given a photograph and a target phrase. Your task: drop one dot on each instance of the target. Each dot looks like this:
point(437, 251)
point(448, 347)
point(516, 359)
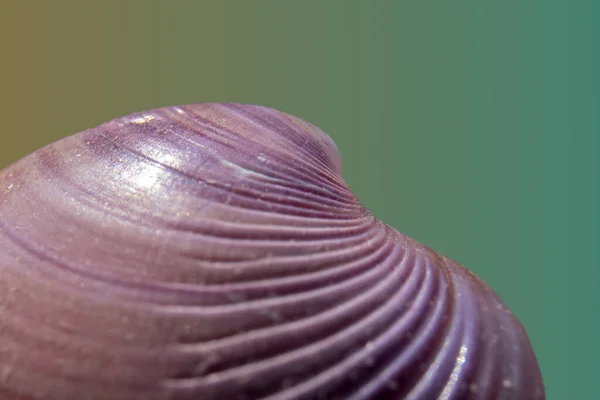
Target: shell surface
point(213, 251)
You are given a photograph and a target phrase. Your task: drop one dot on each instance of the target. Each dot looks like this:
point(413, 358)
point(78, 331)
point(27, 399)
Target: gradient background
point(471, 126)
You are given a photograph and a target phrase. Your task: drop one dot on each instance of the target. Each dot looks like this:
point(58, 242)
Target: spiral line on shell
point(214, 251)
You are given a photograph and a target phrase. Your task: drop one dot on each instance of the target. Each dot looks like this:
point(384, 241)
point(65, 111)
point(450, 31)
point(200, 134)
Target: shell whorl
point(213, 251)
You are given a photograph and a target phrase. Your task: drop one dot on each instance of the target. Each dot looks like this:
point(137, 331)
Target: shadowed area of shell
point(213, 251)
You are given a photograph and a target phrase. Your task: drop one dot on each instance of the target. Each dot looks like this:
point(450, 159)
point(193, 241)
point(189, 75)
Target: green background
point(471, 126)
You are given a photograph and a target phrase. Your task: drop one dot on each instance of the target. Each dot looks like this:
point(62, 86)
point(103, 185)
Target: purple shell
point(214, 252)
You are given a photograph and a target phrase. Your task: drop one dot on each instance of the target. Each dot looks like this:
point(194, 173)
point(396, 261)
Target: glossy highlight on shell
point(213, 251)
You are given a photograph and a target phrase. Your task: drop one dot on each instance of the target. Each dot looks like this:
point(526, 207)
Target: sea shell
point(213, 251)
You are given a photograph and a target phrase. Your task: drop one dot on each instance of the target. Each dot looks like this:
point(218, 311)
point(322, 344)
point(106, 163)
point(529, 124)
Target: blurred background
point(471, 126)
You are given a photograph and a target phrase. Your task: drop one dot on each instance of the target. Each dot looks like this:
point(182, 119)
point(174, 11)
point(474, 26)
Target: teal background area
point(471, 126)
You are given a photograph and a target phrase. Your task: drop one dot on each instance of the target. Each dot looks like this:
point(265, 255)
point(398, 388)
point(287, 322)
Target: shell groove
point(213, 251)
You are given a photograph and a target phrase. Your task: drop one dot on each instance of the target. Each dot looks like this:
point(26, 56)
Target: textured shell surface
point(213, 251)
